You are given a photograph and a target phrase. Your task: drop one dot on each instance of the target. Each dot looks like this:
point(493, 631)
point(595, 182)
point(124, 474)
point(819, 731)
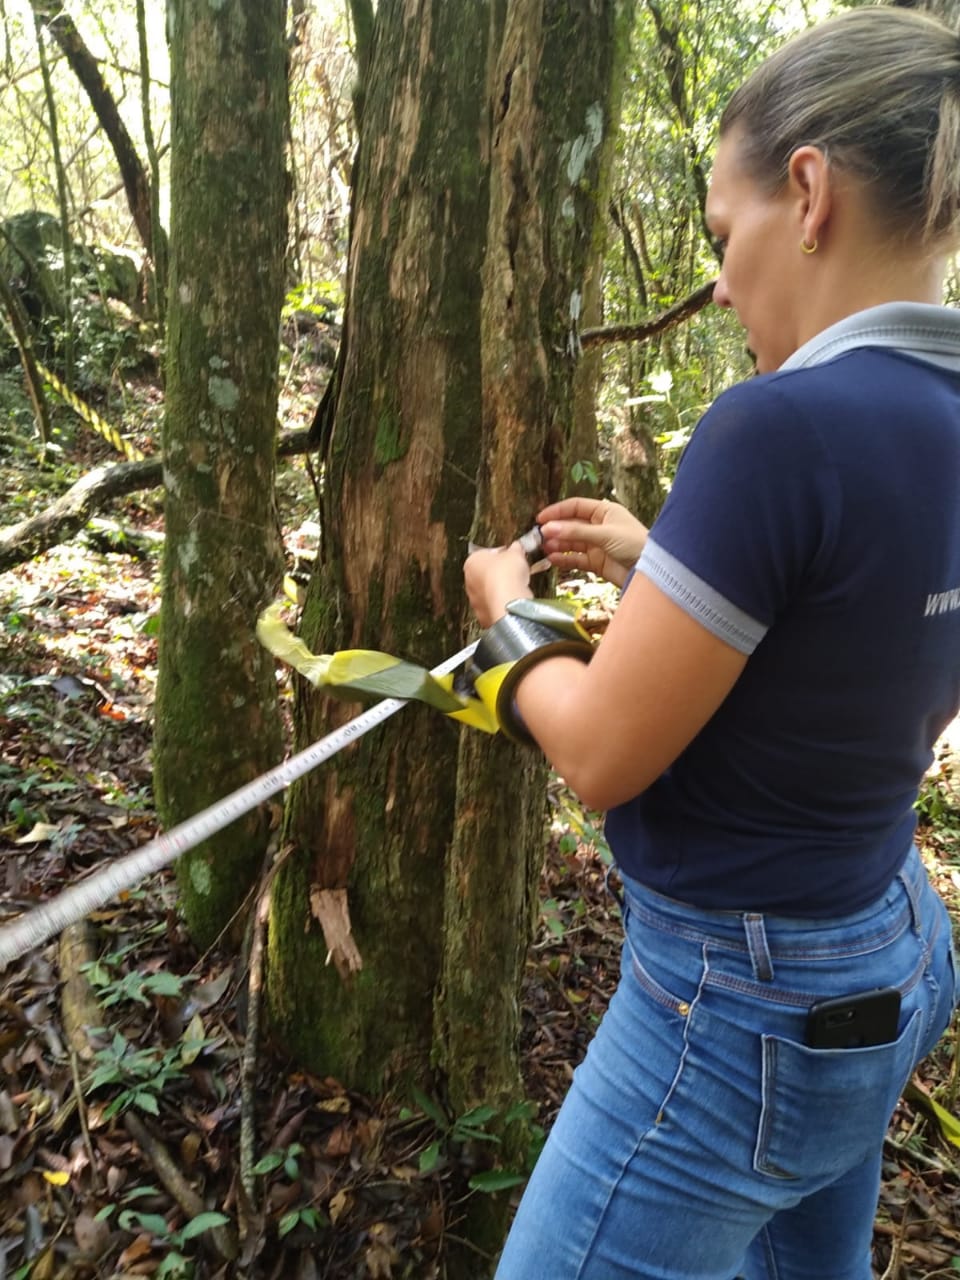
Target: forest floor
point(119, 1153)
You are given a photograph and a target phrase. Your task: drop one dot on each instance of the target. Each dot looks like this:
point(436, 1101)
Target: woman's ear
point(810, 183)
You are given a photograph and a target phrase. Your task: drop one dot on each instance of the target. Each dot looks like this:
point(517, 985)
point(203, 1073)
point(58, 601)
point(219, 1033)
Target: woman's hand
point(599, 536)
point(494, 576)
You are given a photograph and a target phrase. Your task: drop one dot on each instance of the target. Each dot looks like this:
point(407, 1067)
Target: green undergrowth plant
point(583, 827)
point(585, 472)
point(175, 1264)
point(938, 804)
point(303, 1215)
point(459, 1138)
point(140, 1075)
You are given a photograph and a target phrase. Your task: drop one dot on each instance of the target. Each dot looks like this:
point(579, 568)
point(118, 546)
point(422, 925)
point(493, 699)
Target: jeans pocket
point(824, 1110)
point(941, 978)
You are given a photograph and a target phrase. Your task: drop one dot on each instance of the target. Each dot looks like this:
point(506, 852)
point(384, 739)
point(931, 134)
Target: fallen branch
point(84, 1126)
point(79, 1008)
point(80, 1014)
point(674, 315)
point(222, 1238)
point(73, 509)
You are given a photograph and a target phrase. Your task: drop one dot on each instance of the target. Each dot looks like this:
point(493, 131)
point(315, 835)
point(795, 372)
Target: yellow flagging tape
point(350, 673)
point(91, 417)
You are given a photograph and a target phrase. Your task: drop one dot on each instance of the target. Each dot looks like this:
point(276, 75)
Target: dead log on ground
point(92, 492)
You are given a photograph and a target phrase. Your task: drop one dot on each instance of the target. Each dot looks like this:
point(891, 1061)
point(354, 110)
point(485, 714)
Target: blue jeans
point(701, 1138)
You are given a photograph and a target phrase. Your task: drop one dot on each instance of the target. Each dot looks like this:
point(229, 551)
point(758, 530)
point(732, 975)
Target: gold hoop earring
point(808, 248)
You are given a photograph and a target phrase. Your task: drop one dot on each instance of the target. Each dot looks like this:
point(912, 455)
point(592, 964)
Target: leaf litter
point(120, 1079)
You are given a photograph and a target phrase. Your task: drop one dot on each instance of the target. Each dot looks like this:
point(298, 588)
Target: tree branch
point(84, 66)
point(676, 73)
point(630, 249)
point(674, 315)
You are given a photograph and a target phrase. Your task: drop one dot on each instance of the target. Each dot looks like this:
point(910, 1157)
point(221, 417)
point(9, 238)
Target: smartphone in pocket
point(854, 1022)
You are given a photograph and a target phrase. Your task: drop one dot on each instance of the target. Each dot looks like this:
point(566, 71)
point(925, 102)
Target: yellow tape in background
point(90, 416)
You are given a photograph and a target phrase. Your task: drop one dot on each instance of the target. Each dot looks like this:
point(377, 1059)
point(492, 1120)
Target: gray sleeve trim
point(700, 600)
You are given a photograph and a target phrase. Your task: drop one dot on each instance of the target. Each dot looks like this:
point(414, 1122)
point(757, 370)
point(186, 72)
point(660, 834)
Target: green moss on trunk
point(217, 718)
point(398, 507)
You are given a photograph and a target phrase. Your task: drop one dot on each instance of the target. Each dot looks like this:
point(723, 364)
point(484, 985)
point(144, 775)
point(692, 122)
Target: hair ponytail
point(878, 90)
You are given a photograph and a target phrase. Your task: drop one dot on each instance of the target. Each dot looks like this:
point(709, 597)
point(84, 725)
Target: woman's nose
point(721, 294)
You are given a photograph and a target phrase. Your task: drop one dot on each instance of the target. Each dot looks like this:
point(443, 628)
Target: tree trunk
point(63, 203)
point(555, 102)
point(441, 886)
point(217, 718)
point(398, 502)
point(157, 245)
point(19, 326)
point(136, 183)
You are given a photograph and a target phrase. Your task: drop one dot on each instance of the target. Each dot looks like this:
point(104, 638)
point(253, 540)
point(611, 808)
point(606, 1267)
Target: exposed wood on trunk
point(330, 908)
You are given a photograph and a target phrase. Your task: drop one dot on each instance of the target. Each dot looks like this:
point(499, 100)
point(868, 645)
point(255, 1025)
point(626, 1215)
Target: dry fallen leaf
point(39, 832)
point(135, 1251)
point(338, 1206)
point(42, 1268)
point(91, 1234)
point(190, 1148)
point(340, 1141)
point(336, 1106)
point(380, 1255)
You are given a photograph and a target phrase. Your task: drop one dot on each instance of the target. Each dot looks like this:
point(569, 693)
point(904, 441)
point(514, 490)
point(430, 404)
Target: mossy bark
point(398, 504)
point(481, 171)
point(217, 718)
point(554, 95)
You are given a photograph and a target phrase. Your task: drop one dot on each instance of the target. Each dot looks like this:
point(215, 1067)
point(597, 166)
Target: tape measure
point(79, 900)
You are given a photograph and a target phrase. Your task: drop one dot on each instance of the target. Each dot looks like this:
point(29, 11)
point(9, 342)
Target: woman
point(760, 712)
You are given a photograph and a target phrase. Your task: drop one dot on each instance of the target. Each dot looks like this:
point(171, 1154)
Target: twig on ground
point(893, 1266)
point(84, 1127)
point(248, 1068)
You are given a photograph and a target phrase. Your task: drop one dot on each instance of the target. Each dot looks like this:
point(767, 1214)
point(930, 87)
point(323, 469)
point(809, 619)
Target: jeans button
point(683, 1008)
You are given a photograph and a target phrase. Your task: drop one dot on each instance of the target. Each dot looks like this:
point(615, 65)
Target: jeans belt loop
point(760, 958)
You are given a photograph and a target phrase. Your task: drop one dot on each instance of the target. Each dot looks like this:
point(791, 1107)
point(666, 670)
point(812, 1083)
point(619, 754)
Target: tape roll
point(479, 694)
point(354, 673)
point(528, 633)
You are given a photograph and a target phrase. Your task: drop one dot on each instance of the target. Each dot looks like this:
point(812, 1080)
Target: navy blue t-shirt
point(814, 524)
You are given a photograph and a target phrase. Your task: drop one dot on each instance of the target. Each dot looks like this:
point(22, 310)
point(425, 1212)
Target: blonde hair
point(878, 90)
